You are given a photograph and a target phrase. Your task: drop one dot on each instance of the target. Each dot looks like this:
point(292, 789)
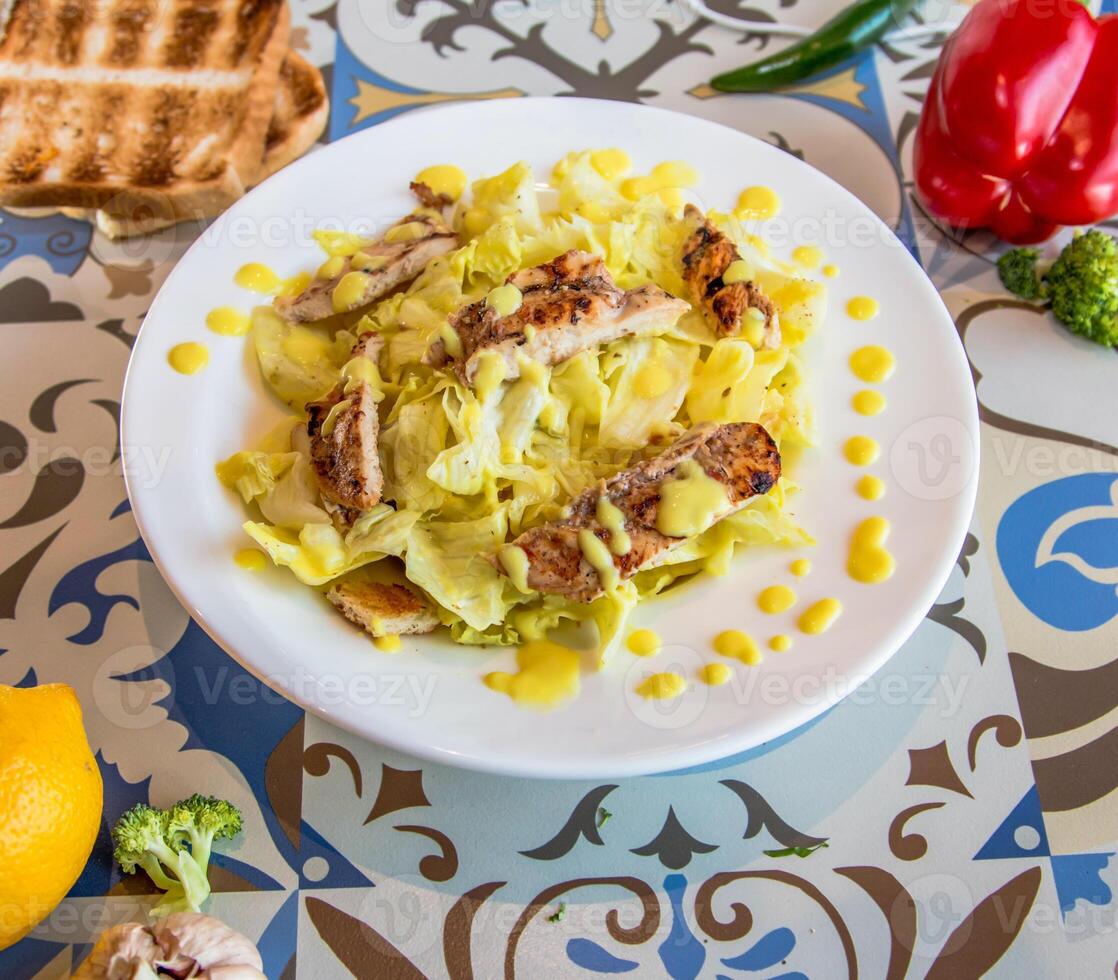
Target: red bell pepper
point(1019, 132)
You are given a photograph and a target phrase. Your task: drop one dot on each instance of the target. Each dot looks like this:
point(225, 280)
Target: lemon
point(50, 803)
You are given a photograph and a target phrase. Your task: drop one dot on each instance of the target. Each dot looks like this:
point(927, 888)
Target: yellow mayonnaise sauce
point(872, 364)
point(350, 291)
point(800, 567)
point(188, 358)
point(871, 487)
point(715, 674)
point(331, 419)
point(504, 300)
point(251, 560)
point(515, 562)
point(863, 308)
point(757, 204)
point(443, 178)
point(780, 643)
point(644, 643)
point(611, 164)
point(667, 176)
point(389, 643)
point(690, 501)
point(776, 599)
point(868, 402)
point(738, 271)
point(228, 321)
point(257, 277)
point(331, 268)
point(661, 687)
point(364, 262)
point(599, 558)
point(738, 646)
point(831, 271)
point(868, 560)
point(409, 231)
point(819, 616)
point(861, 450)
point(547, 674)
point(808, 256)
point(611, 518)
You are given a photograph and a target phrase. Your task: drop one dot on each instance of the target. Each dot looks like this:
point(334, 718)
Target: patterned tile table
point(967, 795)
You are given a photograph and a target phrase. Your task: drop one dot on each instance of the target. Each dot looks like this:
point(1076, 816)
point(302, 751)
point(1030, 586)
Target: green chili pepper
point(857, 27)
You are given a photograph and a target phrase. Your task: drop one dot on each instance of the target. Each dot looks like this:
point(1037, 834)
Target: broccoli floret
point(173, 847)
point(1082, 287)
point(1018, 271)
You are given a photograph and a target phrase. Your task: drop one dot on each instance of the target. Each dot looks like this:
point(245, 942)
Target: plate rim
point(662, 761)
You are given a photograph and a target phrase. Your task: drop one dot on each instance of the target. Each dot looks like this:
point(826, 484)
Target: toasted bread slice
point(137, 104)
point(383, 610)
point(301, 111)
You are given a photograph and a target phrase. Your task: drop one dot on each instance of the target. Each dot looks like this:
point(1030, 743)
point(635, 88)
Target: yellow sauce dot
point(251, 560)
point(872, 364)
point(257, 277)
point(871, 487)
point(800, 567)
point(443, 178)
point(652, 380)
point(715, 674)
point(350, 291)
point(737, 271)
point(776, 599)
point(644, 643)
point(868, 402)
point(389, 643)
point(611, 164)
point(331, 268)
point(861, 450)
point(547, 674)
point(669, 175)
point(868, 560)
point(808, 256)
point(831, 271)
point(862, 308)
point(661, 687)
point(819, 616)
point(188, 358)
point(295, 285)
point(780, 643)
point(690, 502)
point(757, 204)
point(504, 300)
point(228, 321)
point(738, 646)
point(409, 231)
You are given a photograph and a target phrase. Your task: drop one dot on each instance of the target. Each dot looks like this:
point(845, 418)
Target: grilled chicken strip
point(740, 455)
point(344, 452)
point(386, 263)
point(707, 254)
point(569, 305)
point(383, 610)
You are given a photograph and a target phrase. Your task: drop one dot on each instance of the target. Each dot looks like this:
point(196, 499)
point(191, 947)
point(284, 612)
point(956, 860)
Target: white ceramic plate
point(428, 699)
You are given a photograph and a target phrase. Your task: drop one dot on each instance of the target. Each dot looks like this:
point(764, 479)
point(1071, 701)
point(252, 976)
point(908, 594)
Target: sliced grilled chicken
point(343, 429)
point(707, 254)
point(741, 456)
point(394, 259)
point(568, 305)
point(383, 610)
